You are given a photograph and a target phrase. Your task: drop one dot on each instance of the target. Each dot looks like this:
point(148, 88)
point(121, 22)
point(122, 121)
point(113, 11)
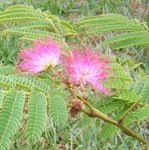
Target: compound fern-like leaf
point(137, 115)
point(10, 117)
point(2, 94)
point(57, 105)
point(108, 22)
point(118, 78)
point(36, 116)
point(36, 24)
point(107, 131)
point(126, 36)
point(142, 88)
point(4, 70)
point(24, 82)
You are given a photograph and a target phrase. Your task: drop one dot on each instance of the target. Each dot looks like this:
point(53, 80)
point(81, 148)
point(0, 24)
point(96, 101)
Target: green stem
point(96, 113)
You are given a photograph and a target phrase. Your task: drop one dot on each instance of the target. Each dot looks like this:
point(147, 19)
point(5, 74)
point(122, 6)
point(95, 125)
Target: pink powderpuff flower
point(87, 66)
point(44, 53)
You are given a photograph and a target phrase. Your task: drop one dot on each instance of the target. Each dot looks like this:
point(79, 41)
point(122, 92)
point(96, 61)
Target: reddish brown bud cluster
point(76, 107)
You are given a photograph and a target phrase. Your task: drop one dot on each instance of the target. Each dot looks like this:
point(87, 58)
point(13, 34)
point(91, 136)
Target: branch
point(87, 112)
point(96, 113)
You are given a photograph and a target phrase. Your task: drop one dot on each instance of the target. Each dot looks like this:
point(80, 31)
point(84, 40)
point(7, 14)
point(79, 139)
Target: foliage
point(36, 21)
point(137, 32)
point(13, 104)
point(10, 115)
point(37, 116)
point(57, 106)
point(42, 98)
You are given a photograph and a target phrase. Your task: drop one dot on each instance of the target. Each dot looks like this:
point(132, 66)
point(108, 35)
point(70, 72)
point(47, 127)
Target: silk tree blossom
point(87, 67)
point(44, 54)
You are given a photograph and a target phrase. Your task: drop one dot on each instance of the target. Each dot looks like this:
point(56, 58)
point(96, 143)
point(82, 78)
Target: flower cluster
point(86, 66)
point(42, 55)
point(83, 67)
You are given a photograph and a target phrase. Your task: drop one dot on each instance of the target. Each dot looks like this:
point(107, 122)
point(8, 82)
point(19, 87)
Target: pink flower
point(87, 66)
point(43, 54)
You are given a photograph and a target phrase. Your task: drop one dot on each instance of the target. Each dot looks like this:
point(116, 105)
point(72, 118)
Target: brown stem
point(100, 115)
point(87, 112)
point(130, 132)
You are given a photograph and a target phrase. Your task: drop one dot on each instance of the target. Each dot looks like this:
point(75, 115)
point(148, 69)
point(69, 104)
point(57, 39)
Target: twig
point(126, 113)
